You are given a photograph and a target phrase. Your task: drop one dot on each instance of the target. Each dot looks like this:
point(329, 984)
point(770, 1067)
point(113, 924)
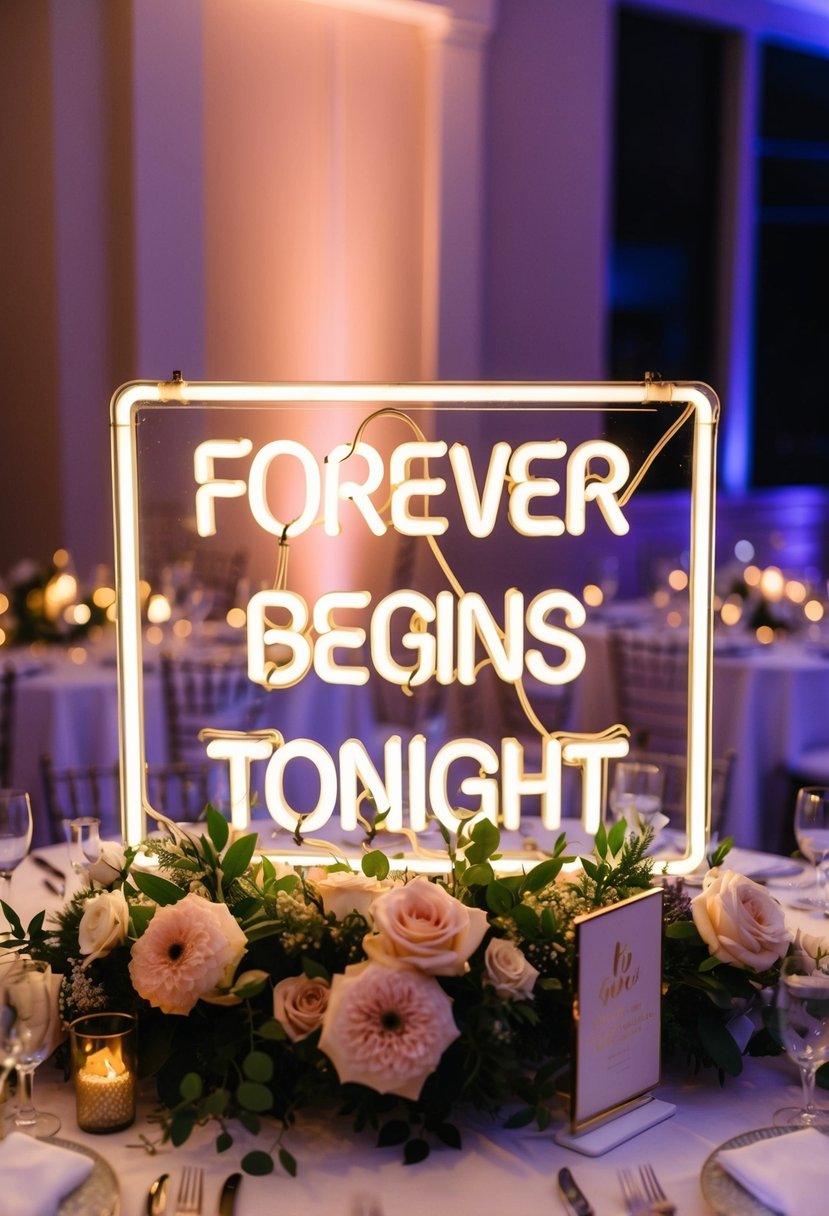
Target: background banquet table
point(770, 703)
point(69, 710)
point(496, 1166)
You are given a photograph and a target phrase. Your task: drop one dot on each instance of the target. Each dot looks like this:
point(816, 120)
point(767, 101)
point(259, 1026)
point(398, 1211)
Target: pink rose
point(299, 1005)
point(739, 921)
point(387, 1028)
point(508, 971)
point(188, 949)
point(421, 925)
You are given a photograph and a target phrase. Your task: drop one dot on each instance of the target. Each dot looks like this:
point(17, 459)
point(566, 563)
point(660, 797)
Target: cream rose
point(422, 926)
point(344, 891)
point(103, 925)
point(739, 921)
point(110, 865)
point(299, 1005)
point(508, 971)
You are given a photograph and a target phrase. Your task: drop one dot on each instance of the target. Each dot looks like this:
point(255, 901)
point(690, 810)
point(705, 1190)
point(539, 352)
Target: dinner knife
point(575, 1198)
point(227, 1199)
point(47, 865)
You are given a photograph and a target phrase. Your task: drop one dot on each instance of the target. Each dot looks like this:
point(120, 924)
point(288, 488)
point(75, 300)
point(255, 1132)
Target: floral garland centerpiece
point(264, 990)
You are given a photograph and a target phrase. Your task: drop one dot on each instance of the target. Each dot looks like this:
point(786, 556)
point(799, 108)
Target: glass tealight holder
point(104, 1052)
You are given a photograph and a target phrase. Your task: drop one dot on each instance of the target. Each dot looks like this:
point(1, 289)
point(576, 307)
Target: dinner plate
point(98, 1195)
point(724, 1193)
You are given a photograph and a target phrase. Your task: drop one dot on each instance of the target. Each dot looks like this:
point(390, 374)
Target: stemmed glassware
point(84, 840)
point(811, 829)
point(801, 1019)
point(15, 837)
point(25, 1017)
point(636, 793)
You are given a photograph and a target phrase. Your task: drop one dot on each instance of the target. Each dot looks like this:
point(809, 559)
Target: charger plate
point(725, 1194)
point(99, 1194)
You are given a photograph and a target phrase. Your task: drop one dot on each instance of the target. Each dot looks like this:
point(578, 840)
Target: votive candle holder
point(104, 1053)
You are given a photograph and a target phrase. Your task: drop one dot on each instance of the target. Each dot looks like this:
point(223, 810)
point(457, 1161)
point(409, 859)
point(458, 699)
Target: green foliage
point(234, 1063)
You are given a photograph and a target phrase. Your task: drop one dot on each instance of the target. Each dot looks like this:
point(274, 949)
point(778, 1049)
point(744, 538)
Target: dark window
point(791, 401)
point(662, 286)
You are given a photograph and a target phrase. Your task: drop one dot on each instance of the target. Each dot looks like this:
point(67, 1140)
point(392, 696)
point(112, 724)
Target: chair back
point(8, 687)
point(650, 677)
point(180, 791)
point(202, 693)
point(675, 768)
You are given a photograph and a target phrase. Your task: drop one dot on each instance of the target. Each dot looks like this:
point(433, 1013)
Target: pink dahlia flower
point(387, 1028)
point(188, 949)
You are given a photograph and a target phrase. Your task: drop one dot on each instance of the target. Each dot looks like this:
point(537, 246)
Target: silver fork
point(189, 1198)
point(635, 1201)
point(659, 1202)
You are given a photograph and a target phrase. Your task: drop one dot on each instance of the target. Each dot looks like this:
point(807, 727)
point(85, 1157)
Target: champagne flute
point(801, 1022)
point(636, 793)
point(25, 1020)
point(811, 829)
point(15, 837)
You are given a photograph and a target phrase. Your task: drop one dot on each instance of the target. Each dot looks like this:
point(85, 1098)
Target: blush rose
point(508, 971)
point(299, 1005)
point(739, 921)
point(422, 926)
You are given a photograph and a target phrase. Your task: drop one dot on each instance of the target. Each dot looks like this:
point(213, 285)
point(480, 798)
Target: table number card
point(617, 1009)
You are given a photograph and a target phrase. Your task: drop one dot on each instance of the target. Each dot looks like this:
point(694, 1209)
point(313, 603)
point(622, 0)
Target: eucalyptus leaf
point(257, 1163)
point(375, 864)
point(191, 1087)
point(416, 1150)
point(258, 1066)
point(254, 1096)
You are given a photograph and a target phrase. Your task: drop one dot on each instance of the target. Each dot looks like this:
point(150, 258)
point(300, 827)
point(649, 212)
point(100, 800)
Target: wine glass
point(84, 840)
point(25, 1018)
point(801, 1020)
point(636, 793)
point(811, 829)
point(15, 837)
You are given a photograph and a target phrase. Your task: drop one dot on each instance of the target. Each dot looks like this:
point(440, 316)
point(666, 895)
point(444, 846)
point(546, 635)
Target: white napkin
point(788, 1173)
point(37, 1175)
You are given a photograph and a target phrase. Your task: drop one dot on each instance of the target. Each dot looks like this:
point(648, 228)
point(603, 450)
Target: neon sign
point(428, 489)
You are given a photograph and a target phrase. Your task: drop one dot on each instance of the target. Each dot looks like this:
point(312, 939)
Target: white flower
point(344, 891)
point(387, 1028)
point(739, 921)
point(299, 1005)
point(421, 925)
point(110, 864)
point(103, 925)
point(508, 971)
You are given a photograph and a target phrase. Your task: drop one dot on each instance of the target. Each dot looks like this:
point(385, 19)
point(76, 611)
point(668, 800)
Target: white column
point(454, 185)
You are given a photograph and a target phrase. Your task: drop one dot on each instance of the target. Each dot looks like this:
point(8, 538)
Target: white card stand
point(601, 1140)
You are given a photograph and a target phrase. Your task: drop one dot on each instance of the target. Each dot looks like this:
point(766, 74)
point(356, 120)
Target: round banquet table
point(338, 1169)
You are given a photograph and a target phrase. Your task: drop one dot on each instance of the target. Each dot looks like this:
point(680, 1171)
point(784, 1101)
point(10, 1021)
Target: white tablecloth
point(497, 1170)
